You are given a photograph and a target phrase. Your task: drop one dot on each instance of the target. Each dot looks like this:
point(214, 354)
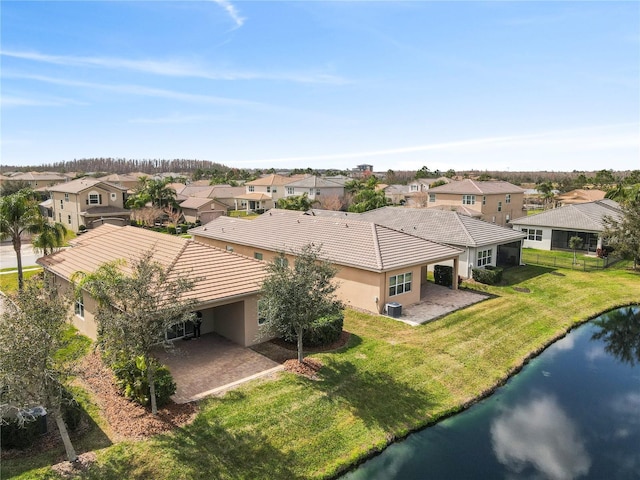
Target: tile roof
point(38, 176)
point(581, 196)
point(473, 187)
point(118, 177)
point(196, 202)
point(223, 191)
point(582, 216)
point(313, 181)
point(273, 179)
point(82, 184)
point(441, 226)
point(217, 274)
point(343, 241)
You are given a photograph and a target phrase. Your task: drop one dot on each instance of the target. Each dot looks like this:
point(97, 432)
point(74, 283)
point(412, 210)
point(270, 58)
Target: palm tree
point(50, 238)
point(19, 214)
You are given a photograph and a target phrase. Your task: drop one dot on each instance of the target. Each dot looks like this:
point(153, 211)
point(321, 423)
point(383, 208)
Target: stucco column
point(456, 262)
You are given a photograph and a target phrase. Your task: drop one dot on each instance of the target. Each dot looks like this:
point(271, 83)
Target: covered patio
point(212, 364)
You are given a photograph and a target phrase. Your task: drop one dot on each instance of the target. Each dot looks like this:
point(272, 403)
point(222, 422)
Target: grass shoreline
point(389, 381)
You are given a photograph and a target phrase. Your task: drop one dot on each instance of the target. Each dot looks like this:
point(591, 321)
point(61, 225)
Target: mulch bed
point(280, 351)
point(309, 367)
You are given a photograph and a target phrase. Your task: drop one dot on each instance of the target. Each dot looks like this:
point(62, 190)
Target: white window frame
point(251, 188)
point(69, 219)
point(414, 188)
point(78, 308)
point(93, 196)
point(484, 200)
point(399, 284)
point(66, 197)
point(61, 205)
point(499, 206)
point(268, 189)
point(468, 199)
point(507, 198)
point(290, 190)
point(113, 196)
point(432, 197)
point(533, 234)
point(484, 257)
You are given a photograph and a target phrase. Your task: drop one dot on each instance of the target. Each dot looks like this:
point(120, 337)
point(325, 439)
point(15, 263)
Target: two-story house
point(89, 202)
point(37, 180)
point(315, 187)
point(263, 193)
point(496, 201)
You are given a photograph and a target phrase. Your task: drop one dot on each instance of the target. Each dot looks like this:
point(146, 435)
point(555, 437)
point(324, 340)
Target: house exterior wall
point(86, 325)
point(543, 244)
point(357, 288)
point(489, 210)
point(316, 193)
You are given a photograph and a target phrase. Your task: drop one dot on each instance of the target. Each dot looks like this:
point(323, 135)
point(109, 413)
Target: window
point(414, 188)
point(432, 197)
point(268, 189)
point(311, 191)
point(507, 198)
point(290, 190)
point(94, 199)
point(533, 234)
point(275, 190)
point(317, 192)
point(251, 188)
point(69, 219)
point(257, 255)
point(66, 197)
point(261, 317)
point(499, 206)
point(61, 205)
point(484, 199)
point(78, 308)
point(113, 196)
point(468, 199)
point(180, 330)
point(508, 217)
point(229, 248)
point(400, 284)
point(282, 261)
point(484, 257)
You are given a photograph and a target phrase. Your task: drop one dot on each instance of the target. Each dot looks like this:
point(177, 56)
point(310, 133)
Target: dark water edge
point(477, 451)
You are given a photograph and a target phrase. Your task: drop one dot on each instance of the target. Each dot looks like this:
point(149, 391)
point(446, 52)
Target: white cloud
point(540, 434)
point(232, 11)
point(174, 68)
point(13, 101)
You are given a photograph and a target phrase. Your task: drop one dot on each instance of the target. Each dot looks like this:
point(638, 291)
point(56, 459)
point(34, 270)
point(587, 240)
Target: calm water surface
point(572, 413)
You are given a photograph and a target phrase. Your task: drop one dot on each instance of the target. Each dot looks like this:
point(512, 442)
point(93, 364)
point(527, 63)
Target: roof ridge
point(465, 229)
point(178, 255)
point(376, 245)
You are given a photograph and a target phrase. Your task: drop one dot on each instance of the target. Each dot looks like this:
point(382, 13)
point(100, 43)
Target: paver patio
point(212, 364)
point(438, 301)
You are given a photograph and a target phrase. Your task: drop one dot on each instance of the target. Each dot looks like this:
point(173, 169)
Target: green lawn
point(9, 281)
point(390, 379)
point(563, 259)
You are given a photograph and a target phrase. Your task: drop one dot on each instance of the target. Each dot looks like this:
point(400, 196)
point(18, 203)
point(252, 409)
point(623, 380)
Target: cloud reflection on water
point(541, 435)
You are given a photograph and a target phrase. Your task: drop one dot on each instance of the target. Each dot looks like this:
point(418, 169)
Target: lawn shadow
point(205, 449)
point(521, 273)
point(377, 398)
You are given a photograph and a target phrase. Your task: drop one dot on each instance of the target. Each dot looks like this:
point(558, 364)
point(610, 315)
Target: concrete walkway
point(212, 364)
point(438, 301)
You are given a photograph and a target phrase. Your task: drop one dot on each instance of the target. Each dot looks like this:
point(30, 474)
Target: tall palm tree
point(50, 238)
point(19, 214)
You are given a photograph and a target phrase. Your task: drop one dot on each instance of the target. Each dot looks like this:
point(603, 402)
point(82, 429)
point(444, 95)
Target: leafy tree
point(19, 214)
point(297, 202)
point(450, 173)
point(575, 243)
point(424, 172)
point(135, 310)
point(604, 178)
point(50, 239)
point(624, 234)
point(620, 330)
point(485, 177)
point(295, 298)
point(633, 177)
point(437, 183)
point(546, 189)
point(622, 193)
point(37, 356)
point(9, 187)
point(156, 192)
point(368, 199)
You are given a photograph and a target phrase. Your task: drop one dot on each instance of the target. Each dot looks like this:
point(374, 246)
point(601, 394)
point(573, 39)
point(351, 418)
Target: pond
point(572, 413)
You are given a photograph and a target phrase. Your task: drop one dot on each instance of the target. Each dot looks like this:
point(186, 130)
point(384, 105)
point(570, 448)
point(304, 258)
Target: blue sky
point(463, 85)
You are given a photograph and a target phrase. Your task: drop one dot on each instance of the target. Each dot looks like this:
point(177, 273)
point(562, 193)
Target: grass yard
point(9, 281)
point(562, 259)
point(390, 380)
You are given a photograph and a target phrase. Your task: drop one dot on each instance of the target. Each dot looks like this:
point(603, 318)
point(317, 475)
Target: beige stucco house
point(226, 284)
point(263, 193)
point(376, 264)
point(89, 202)
point(496, 201)
point(315, 187)
point(38, 180)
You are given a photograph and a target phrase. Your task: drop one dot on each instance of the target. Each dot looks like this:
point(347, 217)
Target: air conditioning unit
point(394, 309)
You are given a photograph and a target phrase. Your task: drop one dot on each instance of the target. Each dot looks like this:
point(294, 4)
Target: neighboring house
point(201, 209)
point(579, 196)
point(89, 202)
point(376, 264)
point(483, 243)
point(226, 284)
point(315, 187)
point(228, 196)
point(396, 194)
point(37, 180)
point(497, 202)
point(552, 229)
point(130, 182)
point(263, 193)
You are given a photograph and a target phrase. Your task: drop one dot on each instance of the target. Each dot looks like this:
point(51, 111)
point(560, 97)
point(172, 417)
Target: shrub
point(131, 379)
point(443, 275)
point(325, 331)
point(82, 228)
point(488, 275)
point(14, 435)
point(171, 230)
